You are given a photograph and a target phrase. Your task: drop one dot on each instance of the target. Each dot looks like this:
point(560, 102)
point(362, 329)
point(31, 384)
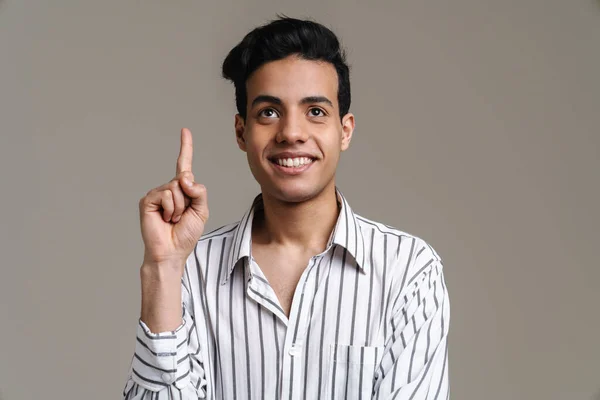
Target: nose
point(291, 129)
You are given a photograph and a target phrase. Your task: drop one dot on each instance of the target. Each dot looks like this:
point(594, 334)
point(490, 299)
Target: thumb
point(197, 193)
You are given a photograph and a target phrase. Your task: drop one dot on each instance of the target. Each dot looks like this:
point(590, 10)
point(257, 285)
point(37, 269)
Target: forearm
point(167, 363)
point(161, 297)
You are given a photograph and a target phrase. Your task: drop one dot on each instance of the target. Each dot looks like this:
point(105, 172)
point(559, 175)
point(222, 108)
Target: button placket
point(293, 345)
point(295, 349)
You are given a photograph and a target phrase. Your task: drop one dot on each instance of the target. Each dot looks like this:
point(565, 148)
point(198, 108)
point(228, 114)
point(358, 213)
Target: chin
point(294, 192)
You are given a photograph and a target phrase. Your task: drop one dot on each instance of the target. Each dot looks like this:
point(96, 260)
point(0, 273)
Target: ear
point(240, 130)
point(347, 130)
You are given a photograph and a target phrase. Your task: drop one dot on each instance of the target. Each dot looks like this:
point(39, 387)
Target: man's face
point(292, 134)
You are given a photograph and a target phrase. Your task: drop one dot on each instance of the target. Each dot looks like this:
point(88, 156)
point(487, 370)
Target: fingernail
point(177, 218)
point(186, 182)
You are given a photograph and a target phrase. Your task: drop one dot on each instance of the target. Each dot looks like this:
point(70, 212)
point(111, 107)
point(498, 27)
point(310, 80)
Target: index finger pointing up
point(186, 152)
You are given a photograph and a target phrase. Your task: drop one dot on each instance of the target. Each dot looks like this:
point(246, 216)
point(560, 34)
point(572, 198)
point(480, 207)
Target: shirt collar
point(347, 234)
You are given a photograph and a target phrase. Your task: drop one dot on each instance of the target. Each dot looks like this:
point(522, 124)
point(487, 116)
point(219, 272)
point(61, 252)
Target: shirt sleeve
point(415, 360)
point(167, 365)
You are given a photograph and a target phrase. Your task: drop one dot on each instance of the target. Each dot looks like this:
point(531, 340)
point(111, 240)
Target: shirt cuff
point(161, 359)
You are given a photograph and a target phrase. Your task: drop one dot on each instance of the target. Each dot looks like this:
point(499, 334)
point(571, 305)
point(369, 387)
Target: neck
point(306, 225)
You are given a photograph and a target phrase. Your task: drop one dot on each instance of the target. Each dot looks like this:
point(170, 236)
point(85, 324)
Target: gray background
point(478, 129)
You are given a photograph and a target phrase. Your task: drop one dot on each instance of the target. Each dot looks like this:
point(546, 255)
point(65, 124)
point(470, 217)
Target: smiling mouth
point(291, 163)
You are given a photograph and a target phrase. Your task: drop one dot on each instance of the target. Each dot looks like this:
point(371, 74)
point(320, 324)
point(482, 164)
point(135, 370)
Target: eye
point(317, 112)
point(268, 113)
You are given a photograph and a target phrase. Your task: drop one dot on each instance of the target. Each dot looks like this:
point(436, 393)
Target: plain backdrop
point(478, 129)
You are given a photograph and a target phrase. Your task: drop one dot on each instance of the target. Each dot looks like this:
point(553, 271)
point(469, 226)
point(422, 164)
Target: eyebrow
point(265, 98)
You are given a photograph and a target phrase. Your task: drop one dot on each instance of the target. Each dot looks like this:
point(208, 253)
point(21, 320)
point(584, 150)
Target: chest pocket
point(352, 371)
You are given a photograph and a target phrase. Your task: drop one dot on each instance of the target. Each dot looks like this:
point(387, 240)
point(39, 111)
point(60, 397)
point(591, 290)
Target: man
point(302, 298)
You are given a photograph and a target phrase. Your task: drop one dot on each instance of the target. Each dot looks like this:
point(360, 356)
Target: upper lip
point(291, 154)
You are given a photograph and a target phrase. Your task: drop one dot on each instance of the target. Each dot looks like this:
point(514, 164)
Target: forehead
point(293, 78)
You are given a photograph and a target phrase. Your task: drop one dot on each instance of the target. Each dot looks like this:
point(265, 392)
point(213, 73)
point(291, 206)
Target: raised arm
point(172, 219)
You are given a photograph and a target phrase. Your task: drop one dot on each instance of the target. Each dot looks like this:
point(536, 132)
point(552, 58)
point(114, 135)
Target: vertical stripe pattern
point(369, 320)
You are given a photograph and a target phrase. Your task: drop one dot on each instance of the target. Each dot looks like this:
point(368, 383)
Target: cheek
point(254, 152)
point(332, 145)
point(257, 140)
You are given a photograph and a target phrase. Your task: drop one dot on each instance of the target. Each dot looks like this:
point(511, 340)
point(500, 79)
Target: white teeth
point(293, 162)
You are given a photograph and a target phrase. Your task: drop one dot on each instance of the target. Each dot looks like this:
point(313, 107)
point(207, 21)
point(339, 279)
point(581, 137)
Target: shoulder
point(222, 232)
point(215, 241)
point(418, 246)
point(409, 258)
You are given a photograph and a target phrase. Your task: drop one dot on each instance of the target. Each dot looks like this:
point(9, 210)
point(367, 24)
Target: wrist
point(162, 271)
point(161, 297)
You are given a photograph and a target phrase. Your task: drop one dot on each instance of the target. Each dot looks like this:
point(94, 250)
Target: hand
point(172, 216)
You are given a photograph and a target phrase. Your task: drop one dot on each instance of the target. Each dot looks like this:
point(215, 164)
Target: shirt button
point(167, 377)
point(294, 351)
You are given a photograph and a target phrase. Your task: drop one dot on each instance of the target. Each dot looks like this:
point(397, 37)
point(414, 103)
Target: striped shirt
point(369, 320)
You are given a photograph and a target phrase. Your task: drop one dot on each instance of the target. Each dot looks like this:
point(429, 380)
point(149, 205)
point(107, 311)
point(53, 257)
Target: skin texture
point(314, 127)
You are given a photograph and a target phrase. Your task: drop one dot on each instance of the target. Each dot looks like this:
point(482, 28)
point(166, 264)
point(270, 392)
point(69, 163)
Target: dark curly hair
point(279, 39)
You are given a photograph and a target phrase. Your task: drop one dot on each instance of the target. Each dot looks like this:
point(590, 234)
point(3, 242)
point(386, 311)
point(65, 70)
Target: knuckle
point(188, 175)
point(174, 184)
point(145, 200)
